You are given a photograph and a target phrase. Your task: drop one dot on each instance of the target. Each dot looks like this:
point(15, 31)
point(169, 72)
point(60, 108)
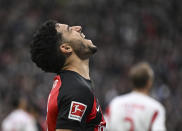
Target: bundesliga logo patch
point(77, 110)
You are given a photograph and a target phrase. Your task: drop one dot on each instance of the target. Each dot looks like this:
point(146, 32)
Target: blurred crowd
point(125, 31)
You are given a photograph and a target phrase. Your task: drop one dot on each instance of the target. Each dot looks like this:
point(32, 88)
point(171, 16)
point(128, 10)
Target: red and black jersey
point(72, 104)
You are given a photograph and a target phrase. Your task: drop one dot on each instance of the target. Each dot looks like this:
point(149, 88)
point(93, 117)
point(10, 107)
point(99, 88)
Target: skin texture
point(73, 37)
point(77, 50)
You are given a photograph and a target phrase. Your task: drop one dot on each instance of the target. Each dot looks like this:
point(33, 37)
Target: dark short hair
point(44, 48)
point(140, 74)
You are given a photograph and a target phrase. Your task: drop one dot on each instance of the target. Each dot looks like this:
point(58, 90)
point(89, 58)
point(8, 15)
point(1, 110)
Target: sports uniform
point(135, 112)
point(19, 120)
point(72, 104)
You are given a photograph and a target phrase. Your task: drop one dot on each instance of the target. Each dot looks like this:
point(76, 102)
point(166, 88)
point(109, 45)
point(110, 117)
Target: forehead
point(61, 27)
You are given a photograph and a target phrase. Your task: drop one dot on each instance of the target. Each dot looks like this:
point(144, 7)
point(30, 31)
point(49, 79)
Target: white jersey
point(135, 112)
point(19, 120)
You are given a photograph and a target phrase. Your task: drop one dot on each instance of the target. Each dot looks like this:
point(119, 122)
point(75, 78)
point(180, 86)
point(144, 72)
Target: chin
point(85, 50)
point(93, 49)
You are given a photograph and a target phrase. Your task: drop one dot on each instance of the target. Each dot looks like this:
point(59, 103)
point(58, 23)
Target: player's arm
point(73, 109)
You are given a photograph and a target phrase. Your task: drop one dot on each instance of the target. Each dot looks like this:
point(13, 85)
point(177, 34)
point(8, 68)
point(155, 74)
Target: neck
point(79, 66)
point(144, 91)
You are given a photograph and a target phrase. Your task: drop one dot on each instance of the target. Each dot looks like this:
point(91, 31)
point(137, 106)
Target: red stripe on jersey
point(93, 113)
point(52, 106)
point(130, 120)
point(153, 119)
point(107, 112)
point(92, 116)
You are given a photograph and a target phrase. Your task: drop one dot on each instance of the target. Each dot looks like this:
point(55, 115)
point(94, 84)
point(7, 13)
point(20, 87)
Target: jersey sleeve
point(74, 105)
point(159, 122)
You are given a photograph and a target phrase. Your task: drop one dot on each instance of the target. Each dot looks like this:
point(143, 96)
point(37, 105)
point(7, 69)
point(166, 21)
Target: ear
point(66, 49)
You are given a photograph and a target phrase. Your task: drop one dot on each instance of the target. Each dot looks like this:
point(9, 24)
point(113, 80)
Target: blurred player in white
point(19, 119)
point(137, 111)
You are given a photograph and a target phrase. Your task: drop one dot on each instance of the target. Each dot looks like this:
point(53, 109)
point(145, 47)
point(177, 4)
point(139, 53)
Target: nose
point(77, 28)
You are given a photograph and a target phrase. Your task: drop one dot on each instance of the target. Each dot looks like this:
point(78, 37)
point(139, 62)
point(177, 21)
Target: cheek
point(69, 37)
point(76, 41)
point(65, 37)
point(78, 45)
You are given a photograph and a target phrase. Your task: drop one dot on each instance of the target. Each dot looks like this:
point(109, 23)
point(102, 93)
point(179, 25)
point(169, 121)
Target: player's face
point(83, 47)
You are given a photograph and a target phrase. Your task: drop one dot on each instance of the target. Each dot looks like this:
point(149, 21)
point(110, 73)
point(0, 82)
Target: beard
point(84, 51)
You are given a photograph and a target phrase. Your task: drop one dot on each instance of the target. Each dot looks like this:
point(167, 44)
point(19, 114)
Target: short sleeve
point(74, 105)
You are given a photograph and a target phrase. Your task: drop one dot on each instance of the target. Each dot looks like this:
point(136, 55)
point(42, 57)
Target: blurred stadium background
point(125, 32)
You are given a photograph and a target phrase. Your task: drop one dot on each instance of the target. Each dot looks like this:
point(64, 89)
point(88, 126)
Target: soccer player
point(63, 49)
point(137, 111)
point(19, 119)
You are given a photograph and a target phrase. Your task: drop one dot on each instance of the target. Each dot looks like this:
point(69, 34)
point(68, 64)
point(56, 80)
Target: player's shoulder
point(72, 84)
point(134, 97)
point(18, 115)
point(155, 103)
point(118, 99)
point(122, 98)
point(150, 102)
point(21, 114)
point(73, 79)
point(67, 77)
